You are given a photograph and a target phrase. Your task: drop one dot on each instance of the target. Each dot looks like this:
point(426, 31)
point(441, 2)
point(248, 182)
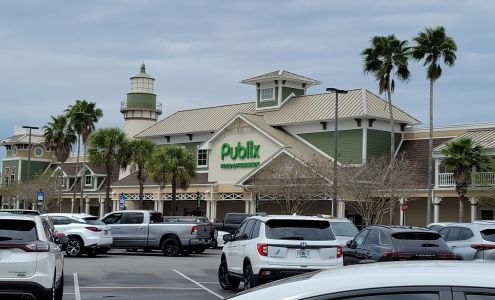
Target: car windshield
point(17, 230)
point(344, 228)
point(312, 230)
point(488, 235)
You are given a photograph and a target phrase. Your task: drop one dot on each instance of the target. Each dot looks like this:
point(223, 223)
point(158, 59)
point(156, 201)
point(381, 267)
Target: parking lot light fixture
point(335, 147)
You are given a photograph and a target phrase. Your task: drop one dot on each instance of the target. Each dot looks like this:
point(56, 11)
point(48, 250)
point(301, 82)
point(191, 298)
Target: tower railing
point(124, 105)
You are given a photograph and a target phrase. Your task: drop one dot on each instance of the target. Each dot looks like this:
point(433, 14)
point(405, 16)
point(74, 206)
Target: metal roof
point(484, 138)
point(23, 139)
point(281, 75)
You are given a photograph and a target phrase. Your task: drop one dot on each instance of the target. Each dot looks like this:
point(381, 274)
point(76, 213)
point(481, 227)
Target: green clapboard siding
point(350, 144)
point(379, 142)
point(141, 100)
point(37, 167)
point(191, 147)
point(286, 91)
point(264, 104)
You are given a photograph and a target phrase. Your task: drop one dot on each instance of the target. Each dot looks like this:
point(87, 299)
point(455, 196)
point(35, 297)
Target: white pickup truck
point(145, 229)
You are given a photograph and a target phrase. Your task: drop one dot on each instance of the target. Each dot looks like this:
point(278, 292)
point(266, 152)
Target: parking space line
point(76, 287)
point(199, 284)
point(137, 287)
point(208, 282)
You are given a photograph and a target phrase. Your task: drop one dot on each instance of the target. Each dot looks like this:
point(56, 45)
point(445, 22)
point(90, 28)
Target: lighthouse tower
point(141, 110)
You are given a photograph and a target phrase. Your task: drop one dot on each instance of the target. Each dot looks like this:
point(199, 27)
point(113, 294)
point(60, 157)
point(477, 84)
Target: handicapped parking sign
point(40, 196)
point(122, 199)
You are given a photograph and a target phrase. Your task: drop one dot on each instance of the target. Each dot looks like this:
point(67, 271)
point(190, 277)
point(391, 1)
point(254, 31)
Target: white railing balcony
point(480, 179)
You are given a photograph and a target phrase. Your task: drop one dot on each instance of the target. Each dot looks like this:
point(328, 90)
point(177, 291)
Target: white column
point(213, 209)
point(437, 172)
point(102, 205)
point(401, 213)
point(474, 208)
point(246, 206)
point(86, 206)
point(436, 209)
point(208, 209)
point(18, 203)
point(340, 208)
point(72, 205)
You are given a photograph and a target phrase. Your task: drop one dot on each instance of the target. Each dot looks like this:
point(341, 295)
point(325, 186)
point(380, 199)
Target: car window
point(435, 227)
point(488, 235)
point(155, 217)
point(454, 234)
point(373, 238)
point(385, 239)
point(57, 220)
point(240, 231)
point(344, 228)
point(479, 297)
point(256, 230)
point(444, 232)
point(236, 218)
point(113, 218)
point(359, 239)
point(48, 230)
point(465, 234)
point(17, 230)
point(287, 229)
point(395, 296)
point(247, 232)
point(134, 218)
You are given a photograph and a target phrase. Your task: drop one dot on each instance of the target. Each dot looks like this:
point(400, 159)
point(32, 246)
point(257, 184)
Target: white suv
point(86, 233)
point(31, 262)
point(267, 248)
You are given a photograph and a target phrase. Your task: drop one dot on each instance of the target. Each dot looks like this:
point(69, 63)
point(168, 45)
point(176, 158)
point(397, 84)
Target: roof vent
point(280, 72)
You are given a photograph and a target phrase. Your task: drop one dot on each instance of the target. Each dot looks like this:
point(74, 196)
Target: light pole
point(28, 176)
point(335, 148)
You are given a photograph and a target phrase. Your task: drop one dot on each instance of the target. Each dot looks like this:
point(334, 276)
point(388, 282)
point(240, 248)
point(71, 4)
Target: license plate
point(303, 253)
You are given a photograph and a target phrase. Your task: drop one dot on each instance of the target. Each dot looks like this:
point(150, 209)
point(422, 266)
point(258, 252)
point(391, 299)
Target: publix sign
point(249, 151)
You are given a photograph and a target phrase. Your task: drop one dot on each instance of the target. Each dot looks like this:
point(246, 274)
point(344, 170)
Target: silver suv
point(31, 262)
point(471, 240)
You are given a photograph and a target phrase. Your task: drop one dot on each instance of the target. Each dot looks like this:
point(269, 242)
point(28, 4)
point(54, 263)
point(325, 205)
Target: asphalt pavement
point(123, 275)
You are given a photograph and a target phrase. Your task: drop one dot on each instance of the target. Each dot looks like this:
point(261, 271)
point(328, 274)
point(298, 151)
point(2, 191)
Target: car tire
point(249, 279)
point(226, 281)
point(74, 247)
point(171, 247)
point(59, 292)
point(199, 250)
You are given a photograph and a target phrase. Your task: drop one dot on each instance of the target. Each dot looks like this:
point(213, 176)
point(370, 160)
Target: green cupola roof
point(142, 73)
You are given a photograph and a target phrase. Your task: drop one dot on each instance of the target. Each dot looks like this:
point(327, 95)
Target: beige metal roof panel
point(377, 107)
point(197, 120)
point(484, 138)
point(280, 75)
point(23, 139)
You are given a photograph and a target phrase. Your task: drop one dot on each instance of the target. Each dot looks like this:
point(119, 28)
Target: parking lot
point(139, 275)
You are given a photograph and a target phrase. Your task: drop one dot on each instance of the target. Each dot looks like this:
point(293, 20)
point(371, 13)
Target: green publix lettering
point(250, 151)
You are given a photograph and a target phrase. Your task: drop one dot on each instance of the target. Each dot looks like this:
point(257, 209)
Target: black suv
point(388, 243)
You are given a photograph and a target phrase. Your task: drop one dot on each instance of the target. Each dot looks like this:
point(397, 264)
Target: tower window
point(202, 158)
point(266, 94)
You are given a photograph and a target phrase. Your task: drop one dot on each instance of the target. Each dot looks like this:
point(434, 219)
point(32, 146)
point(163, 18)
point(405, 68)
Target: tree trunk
point(461, 208)
point(392, 149)
point(75, 175)
point(83, 178)
point(107, 188)
point(430, 159)
point(174, 194)
point(141, 190)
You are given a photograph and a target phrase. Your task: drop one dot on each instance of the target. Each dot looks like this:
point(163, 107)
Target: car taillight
point(446, 256)
point(36, 246)
point(483, 246)
point(404, 255)
point(94, 229)
point(263, 249)
point(194, 230)
point(340, 253)
point(388, 254)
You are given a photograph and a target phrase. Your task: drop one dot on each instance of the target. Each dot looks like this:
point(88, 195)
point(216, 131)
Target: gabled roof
point(22, 139)
point(358, 103)
point(484, 138)
point(281, 75)
point(206, 119)
point(70, 168)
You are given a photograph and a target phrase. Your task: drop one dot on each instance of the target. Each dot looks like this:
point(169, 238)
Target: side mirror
point(349, 244)
point(61, 239)
point(227, 238)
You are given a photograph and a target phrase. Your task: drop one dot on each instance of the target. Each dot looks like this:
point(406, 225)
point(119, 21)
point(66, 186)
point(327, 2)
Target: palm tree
point(138, 154)
point(107, 148)
point(60, 137)
point(387, 57)
point(433, 45)
point(174, 165)
point(83, 115)
point(462, 156)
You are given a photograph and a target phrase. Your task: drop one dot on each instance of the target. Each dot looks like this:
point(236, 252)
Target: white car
point(31, 262)
point(405, 280)
point(470, 240)
point(86, 233)
point(266, 248)
point(220, 242)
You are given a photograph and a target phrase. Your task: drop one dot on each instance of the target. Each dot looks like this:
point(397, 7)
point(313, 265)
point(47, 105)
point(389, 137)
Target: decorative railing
point(480, 179)
point(124, 105)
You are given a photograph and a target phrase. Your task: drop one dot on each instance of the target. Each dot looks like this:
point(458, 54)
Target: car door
point(55, 251)
point(451, 239)
point(375, 245)
point(114, 221)
point(245, 239)
point(353, 250)
point(462, 242)
point(133, 233)
point(234, 250)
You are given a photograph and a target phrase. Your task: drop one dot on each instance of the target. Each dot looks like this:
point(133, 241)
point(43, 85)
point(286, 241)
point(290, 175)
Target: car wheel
point(249, 279)
point(59, 292)
point(74, 247)
point(171, 247)
point(226, 281)
point(199, 250)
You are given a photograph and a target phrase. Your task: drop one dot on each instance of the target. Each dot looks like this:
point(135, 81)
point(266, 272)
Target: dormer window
point(266, 94)
point(89, 180)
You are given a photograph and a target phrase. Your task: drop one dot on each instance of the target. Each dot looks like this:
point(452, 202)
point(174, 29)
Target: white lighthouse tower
point(141, 110)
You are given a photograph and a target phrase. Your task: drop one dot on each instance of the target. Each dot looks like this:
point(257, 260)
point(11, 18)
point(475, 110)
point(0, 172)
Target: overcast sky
point(54, 52)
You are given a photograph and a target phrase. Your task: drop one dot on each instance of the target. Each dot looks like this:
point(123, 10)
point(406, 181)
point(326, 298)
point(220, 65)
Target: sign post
point(40, 197)
point(122, 201)
point(404, 206)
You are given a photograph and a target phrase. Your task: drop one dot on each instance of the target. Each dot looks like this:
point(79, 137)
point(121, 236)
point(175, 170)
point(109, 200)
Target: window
point(344, 228)
point(256, 230)
point(14, 150)
point(309, 230)
point(249, 228)
point(444, 232)
point(453, 234)
point(359, 240)
point(395, 296)
point(202, 158)
point(479, 297)
point(113, 219)
point(88, 180)
point(266, 94)
point(465, 234)
point(488, 235)
point(60, 220)
point(240, 231)
point(38, 151)
point(18, 230)
point(373, 238)
point(134, 218)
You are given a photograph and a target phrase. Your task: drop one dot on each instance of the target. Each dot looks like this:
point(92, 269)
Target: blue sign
point(41, 196)
point(122, 199)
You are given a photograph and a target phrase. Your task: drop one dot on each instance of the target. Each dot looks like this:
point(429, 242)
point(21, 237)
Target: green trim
point(141, 100)
point(350, 144)
point(286, 91)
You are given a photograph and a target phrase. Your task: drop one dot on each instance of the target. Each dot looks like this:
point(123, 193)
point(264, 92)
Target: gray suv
point(471, 240)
